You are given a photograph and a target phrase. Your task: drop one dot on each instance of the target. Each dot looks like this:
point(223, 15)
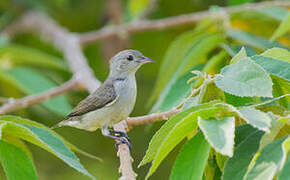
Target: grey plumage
point(114, 100)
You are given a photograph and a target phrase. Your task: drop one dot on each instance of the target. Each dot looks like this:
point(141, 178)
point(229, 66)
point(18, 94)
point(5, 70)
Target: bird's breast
point(126, 91)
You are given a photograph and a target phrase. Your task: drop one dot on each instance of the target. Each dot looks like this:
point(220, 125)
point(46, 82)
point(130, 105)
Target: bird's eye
point(130, 58)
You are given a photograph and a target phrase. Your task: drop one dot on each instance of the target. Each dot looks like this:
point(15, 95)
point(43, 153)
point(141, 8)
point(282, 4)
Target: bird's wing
point(105, 95)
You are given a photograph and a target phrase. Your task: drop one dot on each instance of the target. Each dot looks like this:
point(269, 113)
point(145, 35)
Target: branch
point(123, 153)
point(67, 42)
point(146, 25)
point(141, 120)
point(14, 104)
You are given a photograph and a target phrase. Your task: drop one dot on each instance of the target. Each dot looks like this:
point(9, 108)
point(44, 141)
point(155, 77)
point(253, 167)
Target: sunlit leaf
point(20, 120)
point(42, 138)
point(283, 28)
point(198, 49)
point(176, 133)
point(245, 78)
point(256, 118)
point(161, 134)
point(21, 55)
point(191, 160)
point(219, 133)
point(278, 53)
point(271, 160)
point(240, 55)
point(252, 40)
point(16, 163)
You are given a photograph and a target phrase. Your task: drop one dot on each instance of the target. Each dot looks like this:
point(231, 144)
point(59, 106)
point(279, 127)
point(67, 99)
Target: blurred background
point(79, 16)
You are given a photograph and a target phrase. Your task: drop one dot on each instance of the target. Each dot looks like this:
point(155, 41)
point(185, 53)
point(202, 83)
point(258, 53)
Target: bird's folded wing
point(105, 95)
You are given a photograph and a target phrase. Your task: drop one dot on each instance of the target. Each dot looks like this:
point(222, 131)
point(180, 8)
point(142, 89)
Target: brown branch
point(126, 160)
point(141, 120)
point(146, 25)
point(67, 42)
point(15, 104)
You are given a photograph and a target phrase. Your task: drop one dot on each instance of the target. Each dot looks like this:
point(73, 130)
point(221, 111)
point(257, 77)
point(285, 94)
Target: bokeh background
point(83, 16)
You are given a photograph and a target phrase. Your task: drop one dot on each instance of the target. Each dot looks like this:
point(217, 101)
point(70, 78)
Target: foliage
point(229, 75)
point(258, 153)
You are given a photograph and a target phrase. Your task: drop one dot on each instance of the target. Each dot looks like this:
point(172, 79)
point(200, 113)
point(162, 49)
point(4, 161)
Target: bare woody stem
point(165, 23)
point(15, 104)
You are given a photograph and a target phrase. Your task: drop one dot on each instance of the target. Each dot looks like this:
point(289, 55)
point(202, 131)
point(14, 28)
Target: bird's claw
point(121, 134)
point(123, 141)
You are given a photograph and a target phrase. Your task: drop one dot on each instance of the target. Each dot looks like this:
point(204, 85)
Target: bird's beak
point(147, 60)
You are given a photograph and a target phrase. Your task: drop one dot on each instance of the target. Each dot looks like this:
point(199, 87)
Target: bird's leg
point(121, 140)
point(120, 134)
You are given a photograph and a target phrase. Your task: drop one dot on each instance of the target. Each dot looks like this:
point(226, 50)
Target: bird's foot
point(123, 141)
point(120, 134)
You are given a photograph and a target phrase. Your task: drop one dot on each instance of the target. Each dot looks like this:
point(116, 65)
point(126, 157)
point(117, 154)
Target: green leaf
point(271, 160)
point(274, 66)
point(245, 78)
point(42, 138)
point(232, 50)
point(176, 93)
point(137, 7)
point(191, 160)
point(274, 12)
point(280, 88)
point(17, 165)
point(219, 133)
point(178, 132)
point(252, 40)
point(246, 146)
point(284, 174)
point(20, 120)
point(161, 134)
point(256, 118)
point(277, 125)
point(240, 55)
point(11, 55)
point(198, 49)
point(278, 53)
point(283, 28)
point(193, 45)
point(31, 82)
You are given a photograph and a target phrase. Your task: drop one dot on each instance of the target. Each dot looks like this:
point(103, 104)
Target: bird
point(113, 101)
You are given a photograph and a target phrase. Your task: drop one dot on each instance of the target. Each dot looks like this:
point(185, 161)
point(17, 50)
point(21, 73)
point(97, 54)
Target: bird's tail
point(56, 125)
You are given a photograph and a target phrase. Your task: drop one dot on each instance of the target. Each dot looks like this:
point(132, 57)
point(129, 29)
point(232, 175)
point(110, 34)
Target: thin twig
point(146, 25)
point(141, 120)
point(65, 41)
point(15, 104)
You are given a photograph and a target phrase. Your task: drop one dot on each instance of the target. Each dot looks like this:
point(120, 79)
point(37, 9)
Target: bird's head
point(128, 61)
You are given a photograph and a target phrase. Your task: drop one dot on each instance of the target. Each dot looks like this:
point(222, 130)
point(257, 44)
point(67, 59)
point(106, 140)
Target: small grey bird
point(113, 101)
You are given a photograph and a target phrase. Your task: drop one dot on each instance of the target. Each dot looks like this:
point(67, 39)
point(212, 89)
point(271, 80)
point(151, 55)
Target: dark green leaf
point(16, 163)
point(41, 137)
point(236, 167)
point(191, 160)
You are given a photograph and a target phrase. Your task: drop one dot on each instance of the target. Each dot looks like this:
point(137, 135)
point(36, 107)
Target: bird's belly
point(104, 116)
